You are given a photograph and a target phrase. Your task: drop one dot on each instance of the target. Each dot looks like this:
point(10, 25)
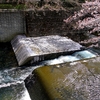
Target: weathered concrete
point(46, 22)
point(40, 48)
point(12, 23)
point(71, 81)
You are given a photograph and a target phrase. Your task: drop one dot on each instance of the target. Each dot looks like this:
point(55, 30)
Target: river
point(12, 77)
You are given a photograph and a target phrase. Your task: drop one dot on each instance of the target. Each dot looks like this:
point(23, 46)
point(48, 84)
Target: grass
point(58, 4)
point(12, 6)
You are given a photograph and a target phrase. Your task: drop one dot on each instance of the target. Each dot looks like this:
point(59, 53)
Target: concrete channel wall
point(35, 23)
point(12, 23)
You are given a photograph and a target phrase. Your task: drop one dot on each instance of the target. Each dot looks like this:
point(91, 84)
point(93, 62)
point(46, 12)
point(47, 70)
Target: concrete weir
point(36, 49)
point(69, 81)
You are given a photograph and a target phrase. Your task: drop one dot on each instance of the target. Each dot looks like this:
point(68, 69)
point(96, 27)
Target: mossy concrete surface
point(70, 81)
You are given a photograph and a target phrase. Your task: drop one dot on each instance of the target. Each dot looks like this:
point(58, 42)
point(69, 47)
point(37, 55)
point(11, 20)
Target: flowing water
point(12, 83)
point(12, 78)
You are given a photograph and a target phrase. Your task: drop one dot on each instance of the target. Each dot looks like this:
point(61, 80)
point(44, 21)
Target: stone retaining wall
point(46, 22)
point(35, 23)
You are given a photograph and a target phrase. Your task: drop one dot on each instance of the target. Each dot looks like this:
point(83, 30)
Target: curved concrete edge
point(35, 89)
point(69, 81)
point(35, 49)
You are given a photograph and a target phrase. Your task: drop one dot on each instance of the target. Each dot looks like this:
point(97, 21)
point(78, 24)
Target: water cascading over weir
point(61, 75)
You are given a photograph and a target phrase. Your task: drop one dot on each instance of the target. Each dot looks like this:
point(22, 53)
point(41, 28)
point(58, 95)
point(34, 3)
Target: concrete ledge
point(42, 48)
point(70, 81)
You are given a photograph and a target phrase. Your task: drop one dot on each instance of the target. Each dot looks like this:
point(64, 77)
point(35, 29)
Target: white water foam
point(9, 84)
point(15, 75)
point(25, 95)
point(71, 58)
point(61, 59)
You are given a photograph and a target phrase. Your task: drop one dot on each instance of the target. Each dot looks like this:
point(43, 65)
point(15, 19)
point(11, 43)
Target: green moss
point(12, 6)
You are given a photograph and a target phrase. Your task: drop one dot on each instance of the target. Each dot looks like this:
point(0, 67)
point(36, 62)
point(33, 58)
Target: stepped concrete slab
point(70, 81)
point(41, 48)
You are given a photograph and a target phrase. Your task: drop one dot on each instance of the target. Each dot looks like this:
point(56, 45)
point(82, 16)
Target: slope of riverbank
point(85, 24)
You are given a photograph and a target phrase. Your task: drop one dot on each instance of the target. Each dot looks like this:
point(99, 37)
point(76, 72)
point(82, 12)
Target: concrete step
point(70, 81)
point(36, 49)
